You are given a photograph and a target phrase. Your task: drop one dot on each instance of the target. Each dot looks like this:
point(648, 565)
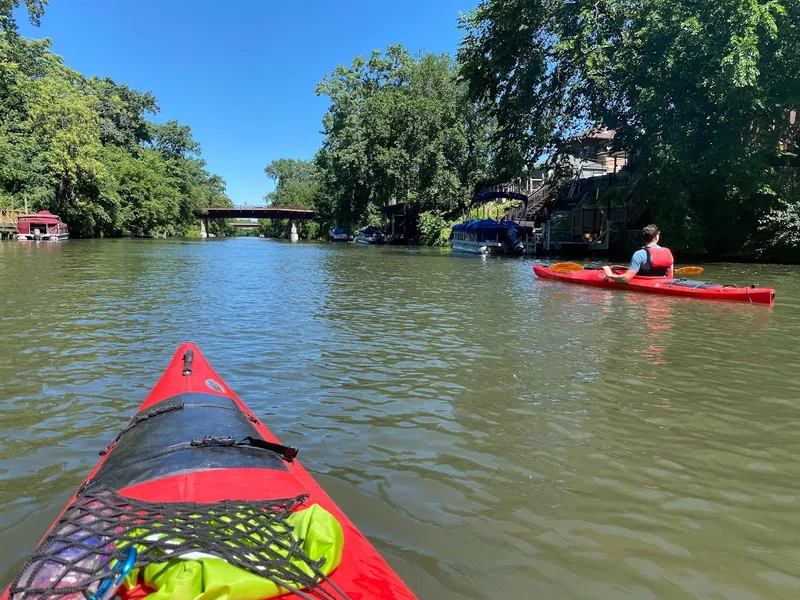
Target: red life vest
point(661, 262)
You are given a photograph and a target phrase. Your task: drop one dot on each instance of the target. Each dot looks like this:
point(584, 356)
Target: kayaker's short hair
point(649, 233)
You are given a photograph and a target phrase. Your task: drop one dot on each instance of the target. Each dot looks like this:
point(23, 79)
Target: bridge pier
point(293, 236)
point(204, 227)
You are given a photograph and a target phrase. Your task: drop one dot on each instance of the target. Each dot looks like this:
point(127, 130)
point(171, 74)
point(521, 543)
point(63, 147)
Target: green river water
point(494, 436)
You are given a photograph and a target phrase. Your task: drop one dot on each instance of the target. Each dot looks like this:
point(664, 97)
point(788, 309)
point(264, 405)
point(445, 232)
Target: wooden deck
point(8, 223)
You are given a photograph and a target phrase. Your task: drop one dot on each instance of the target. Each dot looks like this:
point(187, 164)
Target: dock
point(8, 224)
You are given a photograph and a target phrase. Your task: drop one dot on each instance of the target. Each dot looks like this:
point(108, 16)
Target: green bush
point(434, 230)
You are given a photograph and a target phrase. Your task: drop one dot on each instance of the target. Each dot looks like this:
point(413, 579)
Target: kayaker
point(650, 261)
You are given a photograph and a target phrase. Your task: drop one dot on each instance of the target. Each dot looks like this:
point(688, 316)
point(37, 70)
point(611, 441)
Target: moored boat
point(42, 225)
point(491, 236)
point(685, 288)
point(341, 234)
point(196, 486)
point(371, 235)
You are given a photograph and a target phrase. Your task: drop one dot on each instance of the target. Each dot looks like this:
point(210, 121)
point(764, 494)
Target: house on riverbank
point(584, 201)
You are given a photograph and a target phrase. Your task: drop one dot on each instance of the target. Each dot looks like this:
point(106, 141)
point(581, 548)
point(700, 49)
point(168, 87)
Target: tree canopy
point(399, 128)
point(700, 95)
point(87, 149)
point(698, 92)
point(296, 183)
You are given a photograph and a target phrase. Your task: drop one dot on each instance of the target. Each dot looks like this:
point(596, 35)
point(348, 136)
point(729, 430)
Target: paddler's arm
point(622, 278)
point(637, 262)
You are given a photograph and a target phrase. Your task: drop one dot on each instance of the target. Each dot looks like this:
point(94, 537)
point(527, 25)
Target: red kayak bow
point(194, 441)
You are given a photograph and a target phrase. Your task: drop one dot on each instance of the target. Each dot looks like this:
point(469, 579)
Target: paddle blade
point(567, 267)
point(690, 271)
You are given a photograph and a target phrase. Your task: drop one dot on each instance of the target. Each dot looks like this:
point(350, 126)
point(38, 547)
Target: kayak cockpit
point(167, 439)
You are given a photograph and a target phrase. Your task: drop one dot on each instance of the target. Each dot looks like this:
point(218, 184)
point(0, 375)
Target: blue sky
point(241, 74)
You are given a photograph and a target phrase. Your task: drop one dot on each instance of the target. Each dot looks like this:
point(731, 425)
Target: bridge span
point(254, 212)
point(245, 224)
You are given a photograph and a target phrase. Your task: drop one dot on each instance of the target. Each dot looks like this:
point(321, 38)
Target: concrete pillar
point(293, 232)
point(204, 227)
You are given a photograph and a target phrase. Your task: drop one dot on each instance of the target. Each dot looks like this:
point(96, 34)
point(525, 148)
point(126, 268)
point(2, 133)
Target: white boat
point(371, 235)
point(465, 242)
point(341, 234)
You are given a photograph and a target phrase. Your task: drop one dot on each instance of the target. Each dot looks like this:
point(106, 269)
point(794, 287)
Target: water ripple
point(492, 434)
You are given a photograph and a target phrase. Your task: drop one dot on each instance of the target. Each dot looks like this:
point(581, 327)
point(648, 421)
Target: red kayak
point(194, 451)
point(661, 285)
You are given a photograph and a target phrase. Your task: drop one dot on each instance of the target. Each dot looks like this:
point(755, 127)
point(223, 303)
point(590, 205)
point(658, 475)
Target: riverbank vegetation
point(701, 96)
point(399, 128)
point(704, 98)
point(296, 185)
point(87, 149)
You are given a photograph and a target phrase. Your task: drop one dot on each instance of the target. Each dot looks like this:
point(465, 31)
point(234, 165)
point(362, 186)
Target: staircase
point(536, 200)
point(634, 207)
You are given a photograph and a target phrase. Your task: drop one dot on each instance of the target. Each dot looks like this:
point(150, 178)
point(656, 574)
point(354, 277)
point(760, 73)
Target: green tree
point(147, 197)
point(87, 150)
point(698, 93)
point(296, 185)
point(23, 178)
point(399, 129)
point(123, 113)
point(174, 140)
point(66, 125)
point(22, 171)
point(8, 23)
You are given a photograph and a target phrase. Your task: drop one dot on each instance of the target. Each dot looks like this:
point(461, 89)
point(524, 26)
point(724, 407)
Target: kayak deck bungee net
point(196, 498)
point(667, 287)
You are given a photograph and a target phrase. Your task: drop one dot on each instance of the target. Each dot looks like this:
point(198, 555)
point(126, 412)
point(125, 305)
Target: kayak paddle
point(689, 271)
point(570, 267)
point(566, 267)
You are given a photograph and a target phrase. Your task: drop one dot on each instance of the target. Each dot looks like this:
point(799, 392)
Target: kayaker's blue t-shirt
point(640, 260)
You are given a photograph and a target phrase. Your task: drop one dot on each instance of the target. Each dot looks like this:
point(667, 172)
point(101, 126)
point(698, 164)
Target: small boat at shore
point(341, 234)
point(371, 235)
point(491, 236)
point(42, 225)
point(699, 290)
point(196, 497)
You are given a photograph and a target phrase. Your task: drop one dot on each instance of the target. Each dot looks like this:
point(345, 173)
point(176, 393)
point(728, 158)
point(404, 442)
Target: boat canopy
point(43, 216)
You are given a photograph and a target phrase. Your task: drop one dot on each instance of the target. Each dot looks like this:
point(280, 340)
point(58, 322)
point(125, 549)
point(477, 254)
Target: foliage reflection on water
point(491, 433)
